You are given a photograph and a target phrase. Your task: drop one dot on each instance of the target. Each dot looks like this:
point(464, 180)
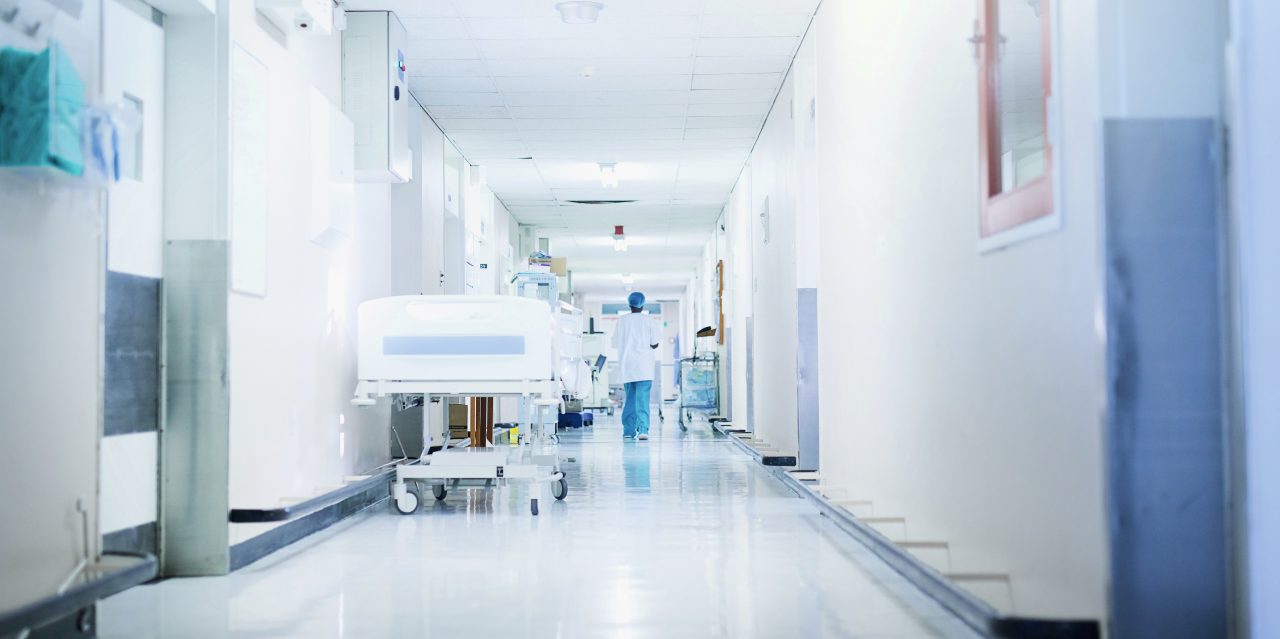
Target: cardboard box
point(554, 265)
point(458, 416)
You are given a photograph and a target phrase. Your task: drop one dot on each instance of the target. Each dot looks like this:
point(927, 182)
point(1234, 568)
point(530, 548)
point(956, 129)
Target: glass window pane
point(1021, 93)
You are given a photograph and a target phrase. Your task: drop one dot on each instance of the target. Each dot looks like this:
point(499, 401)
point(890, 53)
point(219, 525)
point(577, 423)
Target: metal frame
point(534, 461)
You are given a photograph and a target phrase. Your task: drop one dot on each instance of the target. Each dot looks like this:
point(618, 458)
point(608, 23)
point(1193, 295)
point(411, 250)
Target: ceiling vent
point(597, 202)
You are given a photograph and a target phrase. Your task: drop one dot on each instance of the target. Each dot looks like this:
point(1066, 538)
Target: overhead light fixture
point(628, 278)
point(587, 71)
point(609, 175)
point(579, 11)
point(619, 239)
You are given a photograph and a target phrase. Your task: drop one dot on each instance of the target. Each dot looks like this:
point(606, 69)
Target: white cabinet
point(375, 95)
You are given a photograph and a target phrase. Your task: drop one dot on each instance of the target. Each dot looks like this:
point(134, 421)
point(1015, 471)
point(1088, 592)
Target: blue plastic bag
point(41, 97)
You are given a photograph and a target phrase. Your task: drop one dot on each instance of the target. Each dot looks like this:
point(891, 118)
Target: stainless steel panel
point(1166, 483)
point(807, 378)
point(194, 437)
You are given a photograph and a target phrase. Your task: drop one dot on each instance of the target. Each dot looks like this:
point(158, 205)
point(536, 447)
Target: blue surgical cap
point(636, 300)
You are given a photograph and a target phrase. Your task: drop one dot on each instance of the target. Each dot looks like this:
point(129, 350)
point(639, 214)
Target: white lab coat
point(633, 338)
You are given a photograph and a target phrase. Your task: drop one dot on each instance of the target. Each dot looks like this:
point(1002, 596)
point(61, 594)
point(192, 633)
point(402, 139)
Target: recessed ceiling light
point(628, 278)
point(579, 11)
point(587, 71)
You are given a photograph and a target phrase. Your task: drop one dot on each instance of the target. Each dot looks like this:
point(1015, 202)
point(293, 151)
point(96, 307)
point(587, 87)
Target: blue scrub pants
point(635, 412)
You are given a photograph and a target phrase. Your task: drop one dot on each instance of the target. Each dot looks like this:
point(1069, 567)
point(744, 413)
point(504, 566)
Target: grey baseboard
point(247, 552)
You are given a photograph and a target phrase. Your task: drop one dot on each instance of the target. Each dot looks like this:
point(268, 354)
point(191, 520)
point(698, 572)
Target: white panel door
point(133, 78)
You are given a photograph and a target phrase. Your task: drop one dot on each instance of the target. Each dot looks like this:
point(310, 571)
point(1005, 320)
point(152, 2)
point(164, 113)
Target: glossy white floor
point(680, 536)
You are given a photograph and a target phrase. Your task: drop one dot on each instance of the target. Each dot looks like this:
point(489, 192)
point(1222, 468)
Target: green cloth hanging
point(41, 97)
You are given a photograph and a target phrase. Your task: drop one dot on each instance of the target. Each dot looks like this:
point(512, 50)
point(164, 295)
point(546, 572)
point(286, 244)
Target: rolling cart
point(699, 385)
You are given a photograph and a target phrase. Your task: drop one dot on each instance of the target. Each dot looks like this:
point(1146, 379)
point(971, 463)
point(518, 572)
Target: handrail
point(971, 610)
point(293, 511)
point(102, 579)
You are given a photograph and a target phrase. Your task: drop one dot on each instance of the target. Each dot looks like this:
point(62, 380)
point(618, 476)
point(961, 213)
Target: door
point(133, 82)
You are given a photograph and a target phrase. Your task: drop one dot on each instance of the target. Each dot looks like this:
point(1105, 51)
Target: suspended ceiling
point(673, 91)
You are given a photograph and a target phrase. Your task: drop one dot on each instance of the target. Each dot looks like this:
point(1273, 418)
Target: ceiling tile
point(738, 81)
point(544, 98)
point(747, 7)
point(441, 50)
point(759, 109)
point(741, 64)
point(425, 67)
point(435, 28)
point(405, 8)
point(730, 96)
point(723, 122)
point(436, 98)
point(606, 111)
point(458, 124)
point(608, 83)
point(598, 67)
point(547, 26)
point(451, 84)
point(600, 124)
point(742, 133)
point(468, 112)
point(617, 48)
point(747, 46)
point(754, 25)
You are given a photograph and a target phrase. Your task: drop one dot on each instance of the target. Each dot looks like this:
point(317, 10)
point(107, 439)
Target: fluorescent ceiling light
point(579, 11)
point(628, 278)
point(609, 175)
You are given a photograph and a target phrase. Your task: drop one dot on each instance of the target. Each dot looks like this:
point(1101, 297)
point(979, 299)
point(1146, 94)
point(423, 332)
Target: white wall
point(293, 432)
point(1164, 59)
point(773, 246)
point(1256, 196)
point(961, 391)
point(738, 294)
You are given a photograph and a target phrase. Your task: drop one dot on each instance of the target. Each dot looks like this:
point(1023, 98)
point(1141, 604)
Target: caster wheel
point(684, 428)
point(560, 489)
point(409, 503)
point(533, 507)
point(440, 492)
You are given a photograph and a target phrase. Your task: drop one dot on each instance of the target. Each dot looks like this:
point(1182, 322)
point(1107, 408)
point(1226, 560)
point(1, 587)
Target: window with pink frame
point(1015, 86)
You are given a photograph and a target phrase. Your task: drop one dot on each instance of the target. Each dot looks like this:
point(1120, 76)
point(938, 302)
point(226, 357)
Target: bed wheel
point(440, 492)
point(533, 507)
point(409, 503)
point(560, 489)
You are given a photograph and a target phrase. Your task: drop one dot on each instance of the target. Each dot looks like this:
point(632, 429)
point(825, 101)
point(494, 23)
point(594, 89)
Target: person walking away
point(636, 340)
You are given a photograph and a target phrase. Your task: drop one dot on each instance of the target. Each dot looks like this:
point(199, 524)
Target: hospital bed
point(466, 346)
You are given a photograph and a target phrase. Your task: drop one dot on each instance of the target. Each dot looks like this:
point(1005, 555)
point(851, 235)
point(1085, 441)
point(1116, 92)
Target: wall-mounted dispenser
point(375, 95)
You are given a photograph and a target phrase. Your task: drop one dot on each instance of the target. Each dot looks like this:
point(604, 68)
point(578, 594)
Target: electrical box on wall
point(375, 95)
point(307, 17)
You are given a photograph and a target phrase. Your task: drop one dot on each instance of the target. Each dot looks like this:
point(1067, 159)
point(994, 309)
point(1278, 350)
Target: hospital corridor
point(578, 319)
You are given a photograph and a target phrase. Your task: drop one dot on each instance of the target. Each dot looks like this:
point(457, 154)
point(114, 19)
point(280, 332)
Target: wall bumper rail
point(112, 573)
point(971, 610)
point(739, 436)
point(294, 511)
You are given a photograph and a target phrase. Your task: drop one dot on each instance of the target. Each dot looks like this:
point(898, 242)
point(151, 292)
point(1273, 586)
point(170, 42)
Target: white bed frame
point(466, 346)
